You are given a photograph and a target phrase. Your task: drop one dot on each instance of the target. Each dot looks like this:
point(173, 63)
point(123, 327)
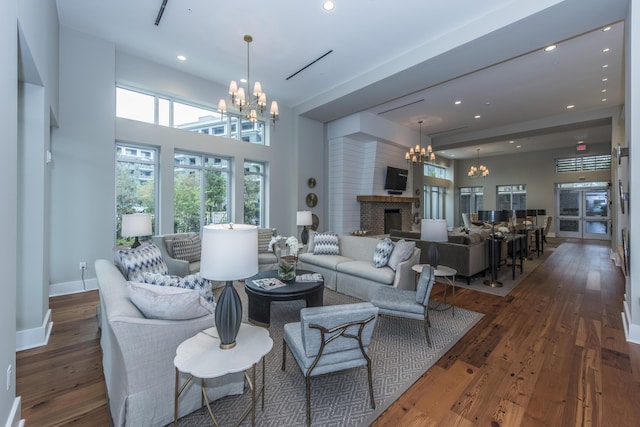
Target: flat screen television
point(396, 179)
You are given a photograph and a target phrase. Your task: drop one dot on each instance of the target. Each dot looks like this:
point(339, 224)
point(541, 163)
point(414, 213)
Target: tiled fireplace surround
point(372, 212)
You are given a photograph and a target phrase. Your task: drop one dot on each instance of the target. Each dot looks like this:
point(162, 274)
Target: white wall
point(83, 183)
point(9, 405)
point(631, 315)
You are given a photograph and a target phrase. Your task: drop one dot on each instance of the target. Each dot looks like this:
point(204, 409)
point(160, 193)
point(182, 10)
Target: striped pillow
point(326, 244)
point(187, 249)
point(264, 238)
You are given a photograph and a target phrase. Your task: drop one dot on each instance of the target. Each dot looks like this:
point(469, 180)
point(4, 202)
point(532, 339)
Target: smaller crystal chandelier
point(478, 171)
point(257, 101)
point(420, 154)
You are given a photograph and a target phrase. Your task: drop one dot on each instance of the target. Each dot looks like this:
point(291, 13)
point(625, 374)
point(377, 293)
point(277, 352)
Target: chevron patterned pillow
point(144, 258)
point(383, 252)
point(326, 244)
point(193, 281)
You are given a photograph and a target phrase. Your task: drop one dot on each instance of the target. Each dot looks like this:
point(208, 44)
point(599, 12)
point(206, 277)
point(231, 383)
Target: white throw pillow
point(168, 302)
point(401, 252)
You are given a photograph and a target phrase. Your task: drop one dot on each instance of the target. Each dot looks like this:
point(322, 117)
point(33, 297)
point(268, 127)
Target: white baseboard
point(14, 415)
point(56, 289)
point(36, 337)
point(631, 331)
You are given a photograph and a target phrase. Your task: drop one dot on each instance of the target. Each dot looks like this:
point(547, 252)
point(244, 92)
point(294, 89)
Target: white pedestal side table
point(449, 274)
point(201, 357)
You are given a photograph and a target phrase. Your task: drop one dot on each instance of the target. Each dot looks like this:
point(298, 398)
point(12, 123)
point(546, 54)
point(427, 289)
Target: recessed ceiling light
point(458, 102)
point(603, 90)
point(550, 48)
point(511, 142)
point(605, 79)
point(604, 99)
point(477, 116)
point(182, 58)
point(328, 5)
point(518, 146)
point(606, 28)
point(605, 66)
point(605, 50)
point(570, 106)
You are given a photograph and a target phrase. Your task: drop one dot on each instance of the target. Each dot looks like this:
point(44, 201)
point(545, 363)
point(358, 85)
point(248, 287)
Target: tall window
point(434, 201)
point(201, 191)
point(511, 197)
point(470, 199)
point(254, 185)
point(136, 184)
point(151, 108)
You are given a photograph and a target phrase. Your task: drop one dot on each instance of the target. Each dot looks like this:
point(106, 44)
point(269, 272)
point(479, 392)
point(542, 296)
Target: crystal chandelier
point(420, 154)
point(245, 103)
point(478, 171)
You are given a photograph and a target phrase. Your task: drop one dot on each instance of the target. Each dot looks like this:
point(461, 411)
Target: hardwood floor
point(551, 353)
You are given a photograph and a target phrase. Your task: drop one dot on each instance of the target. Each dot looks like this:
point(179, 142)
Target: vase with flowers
point(288, 259)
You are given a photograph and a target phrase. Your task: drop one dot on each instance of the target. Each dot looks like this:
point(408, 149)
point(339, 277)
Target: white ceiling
point(384, 55)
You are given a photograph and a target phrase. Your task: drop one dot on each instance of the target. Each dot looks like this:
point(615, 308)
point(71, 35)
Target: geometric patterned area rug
point(399, 352)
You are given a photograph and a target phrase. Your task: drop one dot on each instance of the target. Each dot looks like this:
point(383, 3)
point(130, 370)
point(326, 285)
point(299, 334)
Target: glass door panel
point(583, 213)
point(569, 213)
point(596, 215)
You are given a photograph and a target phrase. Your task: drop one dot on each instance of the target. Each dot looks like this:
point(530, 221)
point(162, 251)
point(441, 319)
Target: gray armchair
point(408, 304)
point(330, 339)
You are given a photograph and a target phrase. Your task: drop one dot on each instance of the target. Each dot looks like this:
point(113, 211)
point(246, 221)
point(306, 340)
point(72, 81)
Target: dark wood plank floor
point(552, 353)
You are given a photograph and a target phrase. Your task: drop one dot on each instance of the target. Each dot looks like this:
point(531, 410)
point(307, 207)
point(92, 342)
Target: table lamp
point(494, 217)
point(434, 230)
point(136, 225)
point(229, 252)
point(303, 218)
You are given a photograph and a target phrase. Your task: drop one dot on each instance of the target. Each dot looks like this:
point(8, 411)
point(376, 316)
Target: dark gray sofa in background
point(467, 254)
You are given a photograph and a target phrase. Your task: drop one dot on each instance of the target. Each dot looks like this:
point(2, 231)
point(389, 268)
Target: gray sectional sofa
point(267, 259)
point(468, 255)
point(137, 358)
point(353, 272)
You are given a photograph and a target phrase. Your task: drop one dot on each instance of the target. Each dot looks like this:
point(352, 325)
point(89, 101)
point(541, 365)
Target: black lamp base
point(228, 316)
point(136, 243)
point(304, 236)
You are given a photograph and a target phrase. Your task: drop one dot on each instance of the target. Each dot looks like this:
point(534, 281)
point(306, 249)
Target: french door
point(583, 213)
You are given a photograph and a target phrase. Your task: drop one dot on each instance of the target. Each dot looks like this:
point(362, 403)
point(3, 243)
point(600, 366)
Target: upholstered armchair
point(330, 339)
point(408, 304)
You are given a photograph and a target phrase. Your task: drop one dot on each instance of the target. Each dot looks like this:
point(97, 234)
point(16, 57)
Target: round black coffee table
point(260, 299)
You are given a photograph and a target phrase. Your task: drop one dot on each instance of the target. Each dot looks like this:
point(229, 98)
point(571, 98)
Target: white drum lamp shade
point(434, 230)
point(136, 225)
point(304, 218)
point(229, 252)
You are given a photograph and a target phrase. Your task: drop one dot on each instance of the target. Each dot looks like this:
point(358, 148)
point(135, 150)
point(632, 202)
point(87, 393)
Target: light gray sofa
point(353, 273)
point(137, 358)
point(267, 260)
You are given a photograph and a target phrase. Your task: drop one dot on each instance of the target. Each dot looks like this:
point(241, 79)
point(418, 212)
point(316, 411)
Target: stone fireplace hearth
point(372, 212)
